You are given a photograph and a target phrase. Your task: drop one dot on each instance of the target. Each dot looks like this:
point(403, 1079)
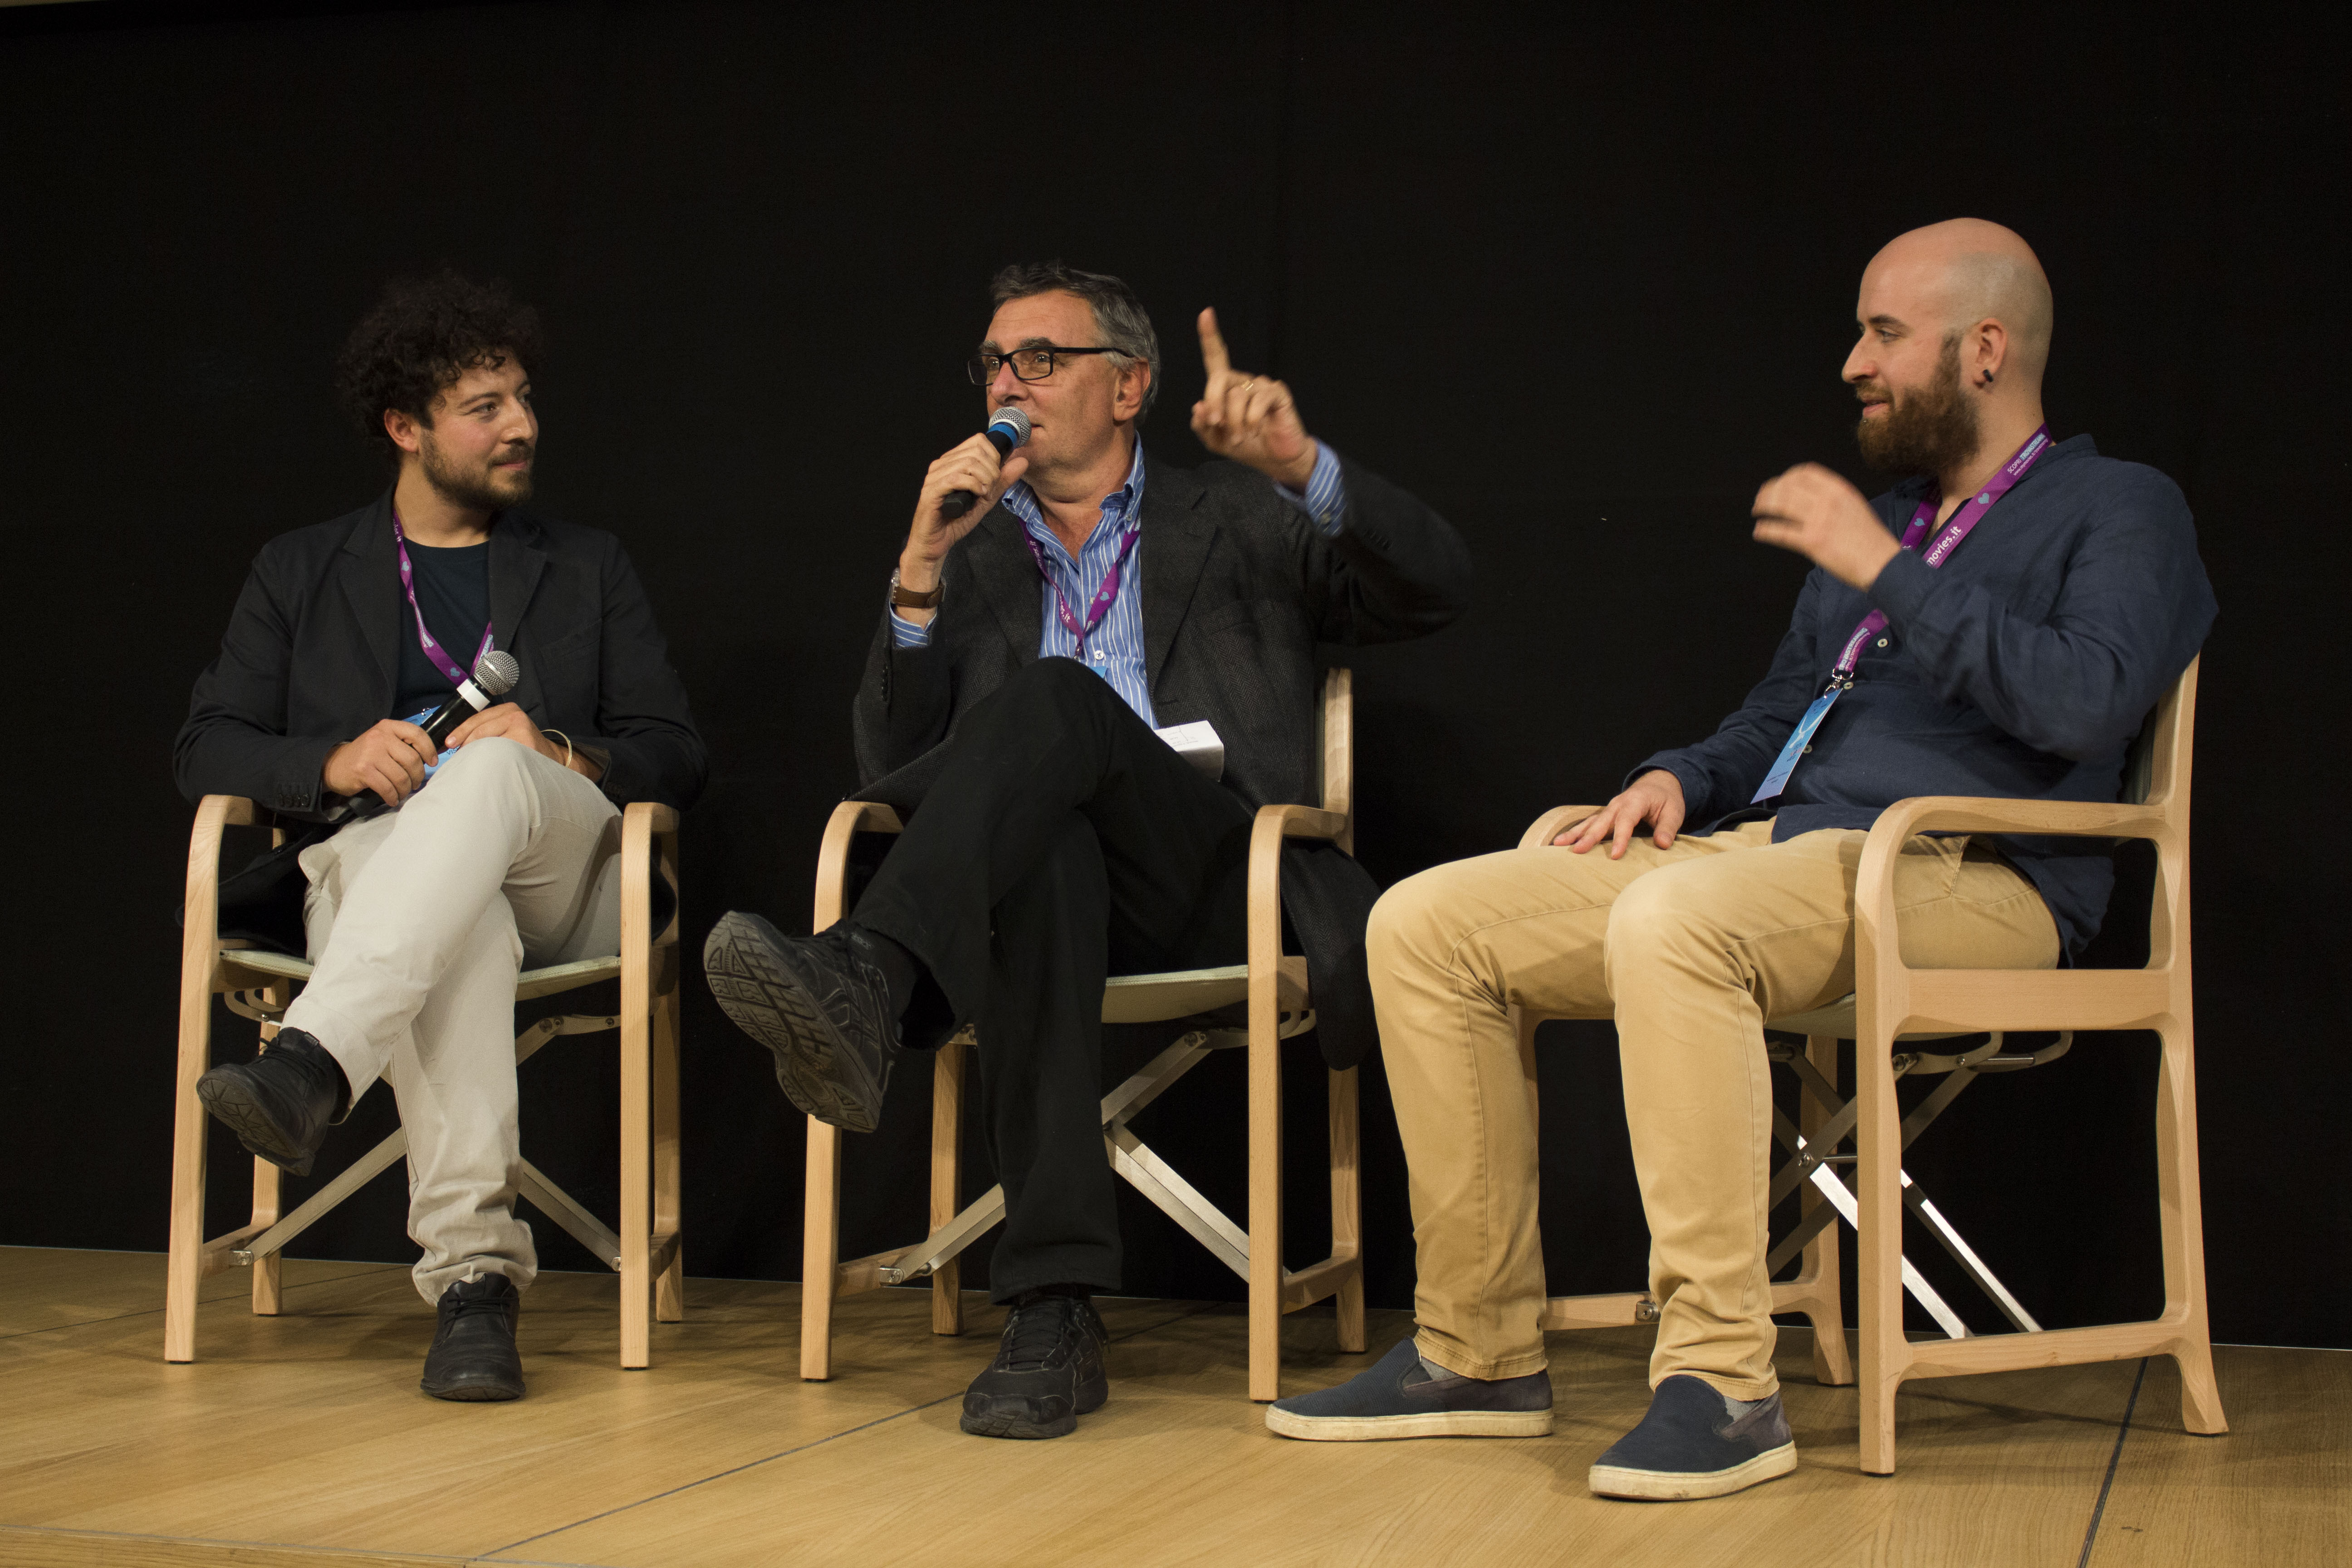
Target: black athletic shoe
point(1690, 1445)
point(1048, 1373)
point(473, 1355)
point(821, 1008)
point(281, 1103)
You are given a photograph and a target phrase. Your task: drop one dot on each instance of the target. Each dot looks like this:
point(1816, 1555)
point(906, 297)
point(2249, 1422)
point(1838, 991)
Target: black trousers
point(1063, 843)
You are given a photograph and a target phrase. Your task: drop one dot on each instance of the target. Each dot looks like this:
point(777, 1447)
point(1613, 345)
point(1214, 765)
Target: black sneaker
point(281, 1103)
point(1690, 1445)
point(1048, 1373)
point(473, 1356)
point(821, 1008)
point(1396, 1398)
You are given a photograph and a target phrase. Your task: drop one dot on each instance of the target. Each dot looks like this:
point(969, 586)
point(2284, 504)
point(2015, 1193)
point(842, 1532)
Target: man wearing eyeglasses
point(1029, 649)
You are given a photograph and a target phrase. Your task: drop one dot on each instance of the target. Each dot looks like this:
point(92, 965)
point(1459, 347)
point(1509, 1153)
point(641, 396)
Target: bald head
point(1965, 272)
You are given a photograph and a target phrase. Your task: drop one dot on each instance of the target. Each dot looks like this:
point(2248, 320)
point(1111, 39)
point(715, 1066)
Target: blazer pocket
point(1241, 613)
point(581, 643)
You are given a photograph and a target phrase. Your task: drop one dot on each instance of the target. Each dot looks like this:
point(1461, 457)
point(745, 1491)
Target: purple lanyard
point(1100, 605)
point(433, 650)
point(1969, 514)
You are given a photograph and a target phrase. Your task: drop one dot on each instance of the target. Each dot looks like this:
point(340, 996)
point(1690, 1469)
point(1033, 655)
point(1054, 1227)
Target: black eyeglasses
point(1028, 364)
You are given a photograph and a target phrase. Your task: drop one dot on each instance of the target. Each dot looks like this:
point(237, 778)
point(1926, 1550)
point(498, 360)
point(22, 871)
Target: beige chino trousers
point(419, 920)
point(1690, 949)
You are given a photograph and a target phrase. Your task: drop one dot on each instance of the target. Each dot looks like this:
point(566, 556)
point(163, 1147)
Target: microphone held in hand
point(495, 674)
point(1007, 428)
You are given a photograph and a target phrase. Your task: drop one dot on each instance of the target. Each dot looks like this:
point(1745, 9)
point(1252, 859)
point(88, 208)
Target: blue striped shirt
point(1115, 649)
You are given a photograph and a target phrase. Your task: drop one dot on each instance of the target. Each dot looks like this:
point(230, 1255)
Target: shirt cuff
point(905, 633)
point(1326, 498)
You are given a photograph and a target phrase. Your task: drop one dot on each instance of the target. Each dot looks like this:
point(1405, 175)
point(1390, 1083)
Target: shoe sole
point(764, 996)
point(1092, 1395)
point(233, 1106)
point(1426, 1424)
point(473, 1392)
point(1665, 1486)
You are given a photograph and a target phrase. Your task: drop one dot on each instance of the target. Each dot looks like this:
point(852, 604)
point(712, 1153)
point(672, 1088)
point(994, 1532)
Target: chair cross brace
point(244, 1249)
point(1131, 1157)
point(1810, 1160)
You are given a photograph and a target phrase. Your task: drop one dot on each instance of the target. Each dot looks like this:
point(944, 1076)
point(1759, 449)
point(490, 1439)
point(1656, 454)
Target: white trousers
point(419, 920)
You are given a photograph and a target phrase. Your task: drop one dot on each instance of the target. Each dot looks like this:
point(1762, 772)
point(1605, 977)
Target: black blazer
point(313, 650)
point(1238, 588)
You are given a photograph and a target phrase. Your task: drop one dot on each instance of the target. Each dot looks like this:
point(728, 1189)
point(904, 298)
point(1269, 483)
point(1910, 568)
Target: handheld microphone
point(1007, 428)
point(495, 674)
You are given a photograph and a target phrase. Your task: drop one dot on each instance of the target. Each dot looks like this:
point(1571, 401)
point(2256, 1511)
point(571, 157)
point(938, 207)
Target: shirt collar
point(1126, 502)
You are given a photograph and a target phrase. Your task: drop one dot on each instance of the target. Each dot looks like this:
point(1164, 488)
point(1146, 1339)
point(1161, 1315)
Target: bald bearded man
point(2000, 623)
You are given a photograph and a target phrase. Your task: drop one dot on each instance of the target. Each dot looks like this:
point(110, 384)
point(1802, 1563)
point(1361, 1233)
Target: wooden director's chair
point(259, 984)
point(1274, 987)
point(1892, 1004)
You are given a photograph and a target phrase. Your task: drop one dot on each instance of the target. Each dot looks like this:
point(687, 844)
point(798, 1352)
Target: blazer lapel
point(369, 572)
point(1000, 563)
point(1175, 546)
point(516, 561)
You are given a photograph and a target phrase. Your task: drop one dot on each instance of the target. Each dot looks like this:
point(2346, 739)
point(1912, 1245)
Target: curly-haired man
point(418, 917)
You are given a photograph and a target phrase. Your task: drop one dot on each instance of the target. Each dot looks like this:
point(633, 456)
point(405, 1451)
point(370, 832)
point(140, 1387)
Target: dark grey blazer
point(1238, 588)
point(313, 650)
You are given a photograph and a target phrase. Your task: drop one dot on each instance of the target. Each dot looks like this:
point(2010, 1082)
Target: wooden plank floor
point(302, 1440)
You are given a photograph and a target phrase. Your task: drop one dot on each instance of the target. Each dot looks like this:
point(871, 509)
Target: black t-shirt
point(453, 589)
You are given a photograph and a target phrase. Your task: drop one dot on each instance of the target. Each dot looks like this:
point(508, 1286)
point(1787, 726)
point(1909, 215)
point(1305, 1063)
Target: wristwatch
point(908, 599)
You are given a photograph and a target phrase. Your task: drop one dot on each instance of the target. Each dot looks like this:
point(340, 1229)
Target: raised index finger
point(1213, 343)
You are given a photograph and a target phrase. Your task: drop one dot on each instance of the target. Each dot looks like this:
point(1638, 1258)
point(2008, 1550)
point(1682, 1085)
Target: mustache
point(1874, 391)
point(523, 451)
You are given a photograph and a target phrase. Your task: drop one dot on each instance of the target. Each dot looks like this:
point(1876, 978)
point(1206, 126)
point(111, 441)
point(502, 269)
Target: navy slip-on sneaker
point(1690, 1446)
point(1398, 1398)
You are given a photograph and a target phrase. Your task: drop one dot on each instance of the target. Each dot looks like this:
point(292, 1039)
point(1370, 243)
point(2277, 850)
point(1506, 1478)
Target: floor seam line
point(799, 1448)
point(201, 1300)
point(2115, 1458)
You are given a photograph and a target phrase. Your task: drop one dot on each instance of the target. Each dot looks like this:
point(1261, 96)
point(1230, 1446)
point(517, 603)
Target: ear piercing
point(1987, 379)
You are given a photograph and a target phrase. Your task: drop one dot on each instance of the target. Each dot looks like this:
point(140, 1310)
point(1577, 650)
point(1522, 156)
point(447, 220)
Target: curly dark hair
point(421, 336)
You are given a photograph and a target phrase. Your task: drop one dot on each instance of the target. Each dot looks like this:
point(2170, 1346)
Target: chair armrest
point(657, 818)
point(1874, 889)
point(850, 818)
point(1990, 814)
point(1554, 822)
point(643, 821)
point(1274, 824)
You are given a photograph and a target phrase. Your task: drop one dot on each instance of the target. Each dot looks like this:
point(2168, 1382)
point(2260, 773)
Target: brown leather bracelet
point(908, 599)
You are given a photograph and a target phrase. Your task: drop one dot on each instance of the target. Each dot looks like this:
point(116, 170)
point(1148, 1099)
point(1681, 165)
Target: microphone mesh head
point(495, 672)
point(1013, 421)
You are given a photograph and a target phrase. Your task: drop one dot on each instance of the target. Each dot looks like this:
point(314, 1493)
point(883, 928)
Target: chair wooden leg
point(1264, 1119)
point(199, 916)
point(1347, 1209)
point(670, 1285)
point(1878, 1138)
point(819, 1249)
point(2182, 1228)
point(947, 1133)
point(267, 1279)
point(637, 1144)
point(1833, 1365)
point(186, 1268)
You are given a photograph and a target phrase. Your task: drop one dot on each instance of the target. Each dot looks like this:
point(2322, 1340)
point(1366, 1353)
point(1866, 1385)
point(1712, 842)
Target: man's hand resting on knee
point(1656, 797)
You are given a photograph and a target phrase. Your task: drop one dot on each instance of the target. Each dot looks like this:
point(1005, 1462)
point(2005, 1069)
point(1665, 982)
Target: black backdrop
point(1582, 285)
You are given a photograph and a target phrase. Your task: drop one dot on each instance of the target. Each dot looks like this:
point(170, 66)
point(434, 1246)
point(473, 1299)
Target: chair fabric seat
point(1836, 1022)
point(533, 982)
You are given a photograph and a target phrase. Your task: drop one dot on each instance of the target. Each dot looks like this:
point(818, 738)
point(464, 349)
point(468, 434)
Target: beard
point(483, 489)
point(1928, 431)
